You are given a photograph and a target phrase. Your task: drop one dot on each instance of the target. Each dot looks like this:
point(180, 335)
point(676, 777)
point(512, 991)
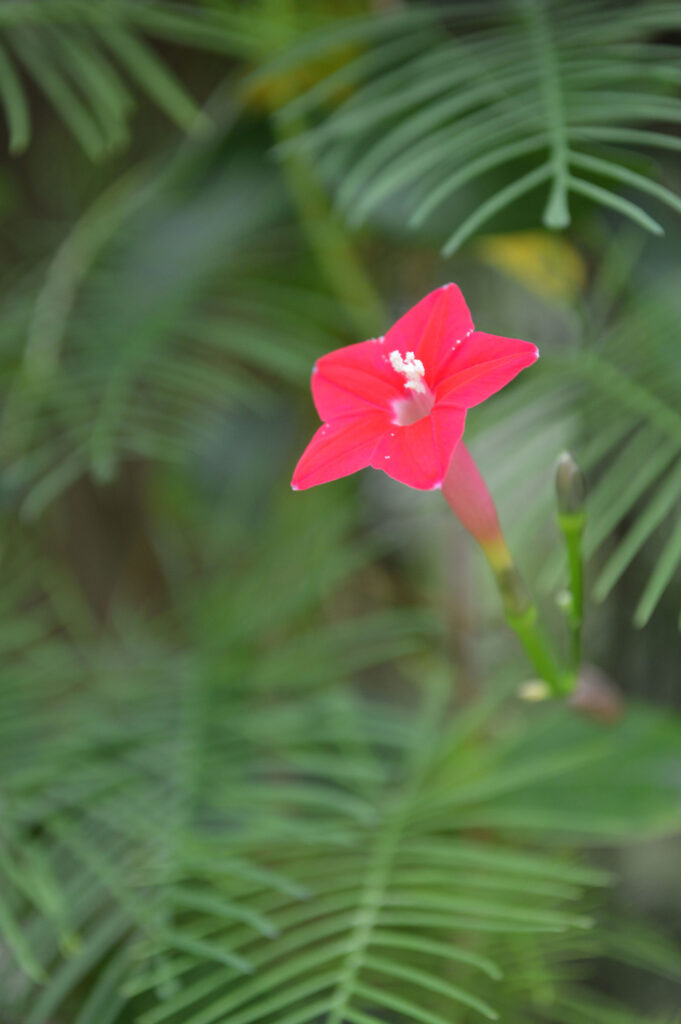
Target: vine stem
point(522, 615)
point(570, 496)
point(467, 494)
point(328, 237)
point(573, 528)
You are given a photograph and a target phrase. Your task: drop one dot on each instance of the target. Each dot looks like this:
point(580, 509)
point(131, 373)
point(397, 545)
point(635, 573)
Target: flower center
point(420, 401)
point(411, 368)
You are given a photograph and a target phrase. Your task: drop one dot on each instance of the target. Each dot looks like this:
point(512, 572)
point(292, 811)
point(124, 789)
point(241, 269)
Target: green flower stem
point(571, 499)
point(329, 238)
point(523, 617)
point(572, 526)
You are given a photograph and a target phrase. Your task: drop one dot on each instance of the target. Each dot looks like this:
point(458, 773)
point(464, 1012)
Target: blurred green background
point(261, 758)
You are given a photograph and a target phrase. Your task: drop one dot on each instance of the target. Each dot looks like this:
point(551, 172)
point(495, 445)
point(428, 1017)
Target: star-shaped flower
point(398, 403)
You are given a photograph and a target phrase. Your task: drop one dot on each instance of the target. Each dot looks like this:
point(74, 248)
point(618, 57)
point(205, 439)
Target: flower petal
point(482, 365)
point(431, 329)
point(354, 380)
point(419, 454)
point(340, 448)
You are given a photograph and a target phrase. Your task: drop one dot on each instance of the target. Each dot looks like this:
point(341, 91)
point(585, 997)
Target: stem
point(572, 527)
point(328, 237)
point(571, 498)
point(522, 616)
point(466, 493)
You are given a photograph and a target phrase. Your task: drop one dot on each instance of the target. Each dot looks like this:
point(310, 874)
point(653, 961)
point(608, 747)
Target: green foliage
point(206, 256)
point(189, 838)
point(108, 749)
point(199, 828)
point(640, 472)
point(239, 780)
point(150, 383)
point(223, 309)
point(84, 56)
point(622, 374)
point(517, 95)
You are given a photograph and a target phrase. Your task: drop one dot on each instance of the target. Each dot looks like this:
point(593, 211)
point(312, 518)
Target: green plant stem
point(572, 527)
point(522, 615)
point(328, 237)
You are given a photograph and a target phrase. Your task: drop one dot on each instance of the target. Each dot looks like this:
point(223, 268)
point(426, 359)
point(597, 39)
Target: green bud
point(570, 486)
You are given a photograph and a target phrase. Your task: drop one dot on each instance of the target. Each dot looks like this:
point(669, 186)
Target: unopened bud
point(570, 486)
point(534, 690)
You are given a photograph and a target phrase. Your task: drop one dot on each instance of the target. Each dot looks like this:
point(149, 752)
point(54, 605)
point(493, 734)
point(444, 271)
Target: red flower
point(398, 403)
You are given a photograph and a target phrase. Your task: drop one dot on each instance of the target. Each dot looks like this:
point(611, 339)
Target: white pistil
point(411, 368)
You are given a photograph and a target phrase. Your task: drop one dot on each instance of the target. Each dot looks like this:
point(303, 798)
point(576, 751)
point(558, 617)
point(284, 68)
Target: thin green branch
point(486, 162)
point(660, 578)
point(15, 104)
point(628, 177)
point(330, 241)
point(556, 212)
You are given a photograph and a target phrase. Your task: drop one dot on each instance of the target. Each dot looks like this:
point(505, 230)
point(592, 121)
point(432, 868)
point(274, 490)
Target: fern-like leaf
point(86, 58)
point(543, 93)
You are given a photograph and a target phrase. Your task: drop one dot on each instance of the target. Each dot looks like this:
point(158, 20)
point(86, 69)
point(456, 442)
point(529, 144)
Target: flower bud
point(570, 486)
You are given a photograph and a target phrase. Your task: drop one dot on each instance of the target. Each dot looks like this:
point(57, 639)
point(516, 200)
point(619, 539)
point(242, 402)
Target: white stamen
point(412, 368)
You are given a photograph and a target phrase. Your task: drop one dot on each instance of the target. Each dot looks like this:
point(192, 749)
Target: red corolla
point(398, 403)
